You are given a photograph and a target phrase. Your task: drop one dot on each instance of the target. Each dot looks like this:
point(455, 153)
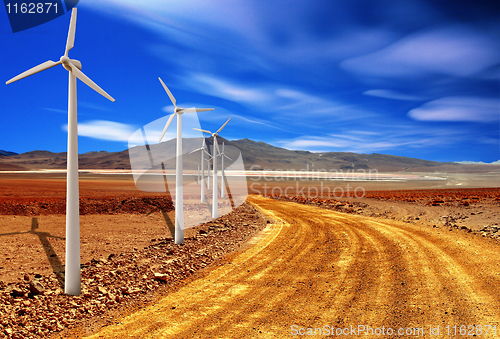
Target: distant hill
point(256, 156)
point(7, 153)
point(270, 157)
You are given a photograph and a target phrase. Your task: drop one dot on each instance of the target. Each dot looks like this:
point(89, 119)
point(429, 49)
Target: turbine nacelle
point(65, 61)
point(74, 66)
point(177, 110)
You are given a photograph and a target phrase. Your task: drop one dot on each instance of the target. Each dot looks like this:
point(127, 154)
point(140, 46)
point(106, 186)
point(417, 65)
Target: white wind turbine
point(72, 280)
point(222, 183)
point(203, 150)
point(199, 174)
point(179, 203)
point(215, 205)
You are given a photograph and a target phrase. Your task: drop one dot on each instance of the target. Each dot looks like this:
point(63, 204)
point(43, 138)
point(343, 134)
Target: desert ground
point(324, 271)
point(406, 254)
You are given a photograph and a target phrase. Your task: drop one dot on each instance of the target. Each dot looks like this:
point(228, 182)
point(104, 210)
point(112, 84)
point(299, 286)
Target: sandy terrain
point(320, 270)
point(473, 209)
point(126, 230)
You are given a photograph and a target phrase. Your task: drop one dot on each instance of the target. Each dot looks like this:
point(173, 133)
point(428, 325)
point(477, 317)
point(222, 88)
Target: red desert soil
point(127, 253)
point(318, 271)
point(125, 265)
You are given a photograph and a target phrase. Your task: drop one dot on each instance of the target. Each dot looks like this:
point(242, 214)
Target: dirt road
point(318, 271)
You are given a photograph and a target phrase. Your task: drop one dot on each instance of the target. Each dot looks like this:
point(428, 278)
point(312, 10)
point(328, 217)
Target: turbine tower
point(215, 205)
point(222, 183)
point(179, 203)
point(198, 178)
point(203, 151)
point(72, 280)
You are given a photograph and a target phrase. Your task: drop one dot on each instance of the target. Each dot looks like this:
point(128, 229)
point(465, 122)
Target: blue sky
point(410, 78)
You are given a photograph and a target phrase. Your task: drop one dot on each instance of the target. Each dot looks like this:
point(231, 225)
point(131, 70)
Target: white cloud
point(458, 109)
point(389, 94)
point(314, 143)
point(278, 101)
point(457, 51)
point(180, 20)
point(392, 138)
point(104, 130)
point(259, 122)
point(226, 89)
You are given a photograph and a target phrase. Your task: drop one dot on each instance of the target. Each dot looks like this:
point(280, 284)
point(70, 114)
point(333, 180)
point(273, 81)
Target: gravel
point(36, 307)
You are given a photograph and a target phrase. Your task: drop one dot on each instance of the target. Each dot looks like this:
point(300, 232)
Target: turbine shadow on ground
point(170, 224)
point(229, 195)
point(54, 261)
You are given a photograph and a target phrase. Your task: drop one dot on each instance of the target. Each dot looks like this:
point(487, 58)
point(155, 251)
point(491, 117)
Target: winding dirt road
point(318, 271)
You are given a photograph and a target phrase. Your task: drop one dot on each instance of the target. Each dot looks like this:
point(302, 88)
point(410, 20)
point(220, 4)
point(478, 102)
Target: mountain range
point(255, 155)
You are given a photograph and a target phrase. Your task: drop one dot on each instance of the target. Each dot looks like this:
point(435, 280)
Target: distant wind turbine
point(199, 174)
point(215, 205)
point(179, 203)
point(203, 150)
point(72, 284)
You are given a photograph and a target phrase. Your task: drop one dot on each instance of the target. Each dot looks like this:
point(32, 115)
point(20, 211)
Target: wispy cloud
point(104, 130)
point(226, 89)
point(56, 110)
point(64, 111)
point(458, 109)
point(259, 122)
point(390, 94)
point(395, 137)
point(278, 101)
point(457, 51)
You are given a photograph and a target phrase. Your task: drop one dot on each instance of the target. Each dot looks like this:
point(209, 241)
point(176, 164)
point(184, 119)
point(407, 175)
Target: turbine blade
point(196, 150)
point(71, 32)
point(168, 92)
point(34, 70)
point(202, 130)
point(194, 110)
point(169, 121)
point(86, 80)
point(217, 146)
point(220, 129)
point(227, 157)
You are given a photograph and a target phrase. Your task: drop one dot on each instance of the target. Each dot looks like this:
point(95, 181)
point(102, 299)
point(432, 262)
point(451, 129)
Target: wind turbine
point(72, 280)
point(203, 151)
point(199, 175)
point(222, 184)
point(215, 206)
point(179, 204)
